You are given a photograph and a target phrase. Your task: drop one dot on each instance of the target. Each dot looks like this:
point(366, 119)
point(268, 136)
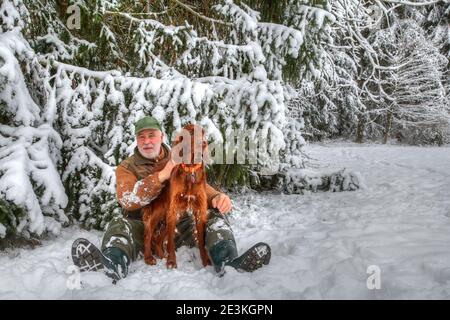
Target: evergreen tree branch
point(185, 6)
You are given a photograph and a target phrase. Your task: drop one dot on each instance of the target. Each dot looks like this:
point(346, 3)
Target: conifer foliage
point(76, 74)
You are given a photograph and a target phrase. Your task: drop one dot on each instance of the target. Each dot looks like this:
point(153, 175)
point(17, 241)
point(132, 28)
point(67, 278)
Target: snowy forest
point(75, 75)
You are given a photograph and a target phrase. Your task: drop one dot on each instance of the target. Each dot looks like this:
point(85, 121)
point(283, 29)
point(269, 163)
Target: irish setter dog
point(185, 194)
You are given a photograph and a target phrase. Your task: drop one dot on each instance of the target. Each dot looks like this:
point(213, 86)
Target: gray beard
point(152, 155)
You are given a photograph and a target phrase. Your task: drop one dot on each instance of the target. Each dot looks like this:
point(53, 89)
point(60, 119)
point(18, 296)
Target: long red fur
point(181, 196)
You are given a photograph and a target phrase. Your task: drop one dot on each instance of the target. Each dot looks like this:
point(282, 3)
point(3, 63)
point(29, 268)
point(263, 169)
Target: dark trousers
point(128, 234)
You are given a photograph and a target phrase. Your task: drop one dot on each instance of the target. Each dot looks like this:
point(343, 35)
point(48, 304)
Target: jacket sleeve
point(133, 194)
point(210, 194)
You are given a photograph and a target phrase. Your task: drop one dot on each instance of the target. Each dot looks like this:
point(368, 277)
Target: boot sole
point(86, 256)
point(253, 259)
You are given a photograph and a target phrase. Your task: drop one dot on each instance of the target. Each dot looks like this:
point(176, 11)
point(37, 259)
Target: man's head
point(149, 137)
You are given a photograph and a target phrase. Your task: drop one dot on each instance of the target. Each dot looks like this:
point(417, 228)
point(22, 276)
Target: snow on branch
point(28, 171)
point(416, 4)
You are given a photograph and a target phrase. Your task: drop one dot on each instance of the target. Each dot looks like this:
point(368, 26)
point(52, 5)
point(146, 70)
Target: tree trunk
point(388, 126)
point(360, 130)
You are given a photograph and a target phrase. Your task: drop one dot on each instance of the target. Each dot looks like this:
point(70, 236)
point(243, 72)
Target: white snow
point(322, 243)
point(15, 95)
point(2, 230)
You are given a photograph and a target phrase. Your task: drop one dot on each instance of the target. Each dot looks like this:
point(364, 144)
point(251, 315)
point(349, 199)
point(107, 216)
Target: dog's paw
point(171, 264)
point(150, 260)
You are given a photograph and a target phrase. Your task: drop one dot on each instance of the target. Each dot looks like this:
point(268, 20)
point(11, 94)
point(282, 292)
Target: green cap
point(146, 122)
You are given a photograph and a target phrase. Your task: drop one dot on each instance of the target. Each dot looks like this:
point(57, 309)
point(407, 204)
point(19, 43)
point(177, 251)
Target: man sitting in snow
point(140, 179)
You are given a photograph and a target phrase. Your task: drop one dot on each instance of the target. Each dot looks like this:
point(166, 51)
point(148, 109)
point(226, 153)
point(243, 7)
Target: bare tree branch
point(417, 4)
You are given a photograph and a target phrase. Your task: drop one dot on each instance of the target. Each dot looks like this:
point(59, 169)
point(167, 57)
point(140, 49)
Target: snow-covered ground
point(322, 243)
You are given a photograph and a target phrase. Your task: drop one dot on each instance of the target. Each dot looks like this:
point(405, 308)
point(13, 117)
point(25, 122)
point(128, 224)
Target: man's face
point(149, 142)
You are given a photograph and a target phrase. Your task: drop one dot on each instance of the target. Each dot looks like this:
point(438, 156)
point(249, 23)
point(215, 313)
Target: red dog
point(185, 194)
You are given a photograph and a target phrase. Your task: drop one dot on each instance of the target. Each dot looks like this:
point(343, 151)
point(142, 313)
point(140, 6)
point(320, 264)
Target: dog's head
point(190, 147)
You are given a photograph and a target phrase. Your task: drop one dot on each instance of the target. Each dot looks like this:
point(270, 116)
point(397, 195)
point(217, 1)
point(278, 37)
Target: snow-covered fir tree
point(309, 106)
point(412, 102)
point(81, 81)
point(348, 97)
point(333, 101)
point(32, 196)
point(75, 75)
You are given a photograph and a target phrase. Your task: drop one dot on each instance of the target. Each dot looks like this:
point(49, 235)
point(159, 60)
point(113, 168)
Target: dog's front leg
point(171, 225)
point(148, 257)
point(159, 241)
point(201, 225)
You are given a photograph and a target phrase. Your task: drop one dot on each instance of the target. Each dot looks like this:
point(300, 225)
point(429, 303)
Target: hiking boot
point(224, 253)
point(253, 259)
point(113, 261)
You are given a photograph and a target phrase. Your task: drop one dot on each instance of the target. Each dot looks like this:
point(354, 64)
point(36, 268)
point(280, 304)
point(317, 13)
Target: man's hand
point(222, 202)
point(164, 174)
